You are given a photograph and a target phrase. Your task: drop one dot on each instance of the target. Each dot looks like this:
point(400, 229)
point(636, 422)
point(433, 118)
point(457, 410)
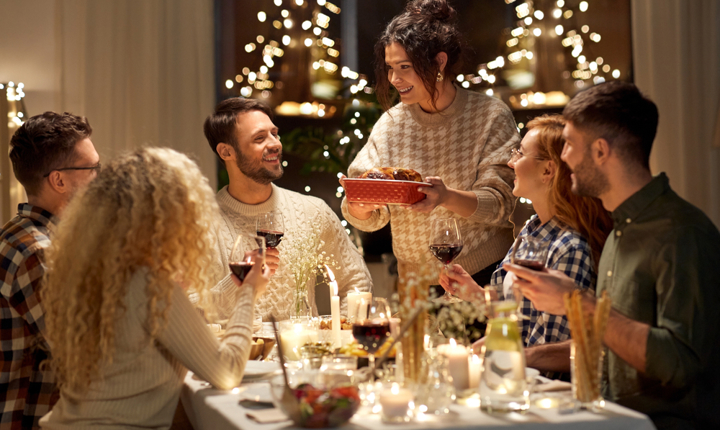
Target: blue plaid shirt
point(568, 252)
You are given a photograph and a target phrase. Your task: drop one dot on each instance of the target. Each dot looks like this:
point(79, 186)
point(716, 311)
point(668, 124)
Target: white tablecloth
point(211, 409)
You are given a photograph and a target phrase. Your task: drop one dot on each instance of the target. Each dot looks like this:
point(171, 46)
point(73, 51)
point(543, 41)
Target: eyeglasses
point(517, 153)
point(97, 168)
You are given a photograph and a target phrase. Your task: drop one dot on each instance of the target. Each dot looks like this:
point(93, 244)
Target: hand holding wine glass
point(270, 225)
point(530, 252)
point(247, 261)
point(445, 242)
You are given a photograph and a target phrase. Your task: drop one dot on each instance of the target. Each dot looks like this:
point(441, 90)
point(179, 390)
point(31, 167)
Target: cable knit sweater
point(300, 212)
point(468, 146)
point(141, 388)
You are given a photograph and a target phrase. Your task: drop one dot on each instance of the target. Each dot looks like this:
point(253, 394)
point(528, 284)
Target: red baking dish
point(384, 191)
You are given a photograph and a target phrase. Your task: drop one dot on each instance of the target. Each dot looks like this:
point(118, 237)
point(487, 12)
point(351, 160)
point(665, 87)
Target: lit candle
point(363, 309)
point(353, 301)
point(457, 356)
point(395, 403)
point(475, 369)
point(294, 339)
point(334, 309)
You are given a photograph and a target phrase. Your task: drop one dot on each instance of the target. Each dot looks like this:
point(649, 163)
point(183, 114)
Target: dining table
point(211, 409)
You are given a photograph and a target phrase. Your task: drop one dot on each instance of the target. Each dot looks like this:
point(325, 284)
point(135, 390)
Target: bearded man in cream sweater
point(242, 134)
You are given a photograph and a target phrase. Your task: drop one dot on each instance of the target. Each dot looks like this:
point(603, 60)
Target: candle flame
point(332, 284)
point(331, 275)
point(452, 342)
point(395, 388)
point(357, 291)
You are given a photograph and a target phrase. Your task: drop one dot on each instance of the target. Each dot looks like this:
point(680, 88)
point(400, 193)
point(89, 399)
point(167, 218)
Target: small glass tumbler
point(586, 384)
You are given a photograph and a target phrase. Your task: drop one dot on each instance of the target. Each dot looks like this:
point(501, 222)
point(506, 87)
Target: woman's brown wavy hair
point(424, 29)
point(150, 209)
point(584, 214)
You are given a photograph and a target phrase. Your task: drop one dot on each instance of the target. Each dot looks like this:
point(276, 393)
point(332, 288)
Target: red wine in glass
point(272, 238)
point(445, 252)
point(531, 264)
point(270, 225)
point(371, 335)
point(241, 269)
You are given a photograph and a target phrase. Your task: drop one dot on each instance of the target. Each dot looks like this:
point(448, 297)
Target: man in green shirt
point(659, 267)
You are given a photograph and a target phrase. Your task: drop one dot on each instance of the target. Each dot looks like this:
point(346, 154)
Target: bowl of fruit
point(325, 399)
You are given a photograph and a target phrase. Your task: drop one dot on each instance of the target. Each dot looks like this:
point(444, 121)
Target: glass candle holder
point(397, 404)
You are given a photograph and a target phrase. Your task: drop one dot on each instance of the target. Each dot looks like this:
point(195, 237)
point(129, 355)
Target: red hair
point(584, 214)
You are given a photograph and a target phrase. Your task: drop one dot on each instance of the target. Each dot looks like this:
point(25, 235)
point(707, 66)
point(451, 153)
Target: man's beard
point(589, 180)
point(259, 174)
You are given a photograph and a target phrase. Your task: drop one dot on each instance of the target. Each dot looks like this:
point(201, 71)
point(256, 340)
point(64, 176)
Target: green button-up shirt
point(661, 266)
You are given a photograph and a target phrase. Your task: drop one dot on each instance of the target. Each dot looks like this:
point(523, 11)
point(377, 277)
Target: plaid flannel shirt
point(568, 252)
point(26, 392)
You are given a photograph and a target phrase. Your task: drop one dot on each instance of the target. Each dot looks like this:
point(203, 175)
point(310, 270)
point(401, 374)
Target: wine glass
point(372, 326)
point(246, 252)
point(445, 243)
point(530, 252)
point(270, 226)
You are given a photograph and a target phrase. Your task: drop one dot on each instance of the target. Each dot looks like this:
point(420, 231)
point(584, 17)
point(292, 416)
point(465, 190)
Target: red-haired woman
point(574, 227)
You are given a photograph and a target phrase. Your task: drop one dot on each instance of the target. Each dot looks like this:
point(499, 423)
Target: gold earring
point(440, 77)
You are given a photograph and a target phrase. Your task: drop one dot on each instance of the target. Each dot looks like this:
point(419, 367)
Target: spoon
point(288, 401)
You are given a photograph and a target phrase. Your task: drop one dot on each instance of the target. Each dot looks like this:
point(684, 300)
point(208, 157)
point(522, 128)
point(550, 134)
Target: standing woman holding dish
point(458, 140)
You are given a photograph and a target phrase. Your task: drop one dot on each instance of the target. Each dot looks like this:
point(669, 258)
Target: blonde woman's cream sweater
point(467, 145)
point(141, 388)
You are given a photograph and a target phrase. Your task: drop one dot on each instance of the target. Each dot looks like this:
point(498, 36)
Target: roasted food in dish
point(390, 173)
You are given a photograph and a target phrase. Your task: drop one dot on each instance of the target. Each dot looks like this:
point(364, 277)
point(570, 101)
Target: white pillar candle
point(458, 368)
point(362, 313)
point(395, 403)
point(475, 363)
point(335, 311)
point(352, 303)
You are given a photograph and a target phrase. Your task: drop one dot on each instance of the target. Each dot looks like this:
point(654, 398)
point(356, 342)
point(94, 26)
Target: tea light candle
point(457, 356)
point(475, 364)
point(353, 301)
point(395, 403)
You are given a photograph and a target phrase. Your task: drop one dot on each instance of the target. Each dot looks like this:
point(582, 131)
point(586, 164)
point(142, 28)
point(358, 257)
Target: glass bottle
point(503, 387)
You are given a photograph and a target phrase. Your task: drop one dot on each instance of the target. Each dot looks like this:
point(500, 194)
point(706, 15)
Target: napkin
point(553, 385)
point(265, 416)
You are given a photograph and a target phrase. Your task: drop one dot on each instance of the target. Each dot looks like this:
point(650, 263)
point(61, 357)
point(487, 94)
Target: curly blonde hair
point(151, 208)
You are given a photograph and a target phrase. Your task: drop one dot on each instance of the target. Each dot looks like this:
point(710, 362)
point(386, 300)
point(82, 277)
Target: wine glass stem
point(446, 268)
point(371, 365)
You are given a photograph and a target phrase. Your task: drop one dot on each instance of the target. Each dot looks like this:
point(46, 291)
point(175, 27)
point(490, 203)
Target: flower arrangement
point(307, 259)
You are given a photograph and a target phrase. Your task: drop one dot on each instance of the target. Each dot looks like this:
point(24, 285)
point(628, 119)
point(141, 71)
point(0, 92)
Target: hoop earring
point(440, 77)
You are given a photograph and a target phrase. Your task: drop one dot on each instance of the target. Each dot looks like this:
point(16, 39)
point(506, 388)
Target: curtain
point(676, 60)
point(142, 71)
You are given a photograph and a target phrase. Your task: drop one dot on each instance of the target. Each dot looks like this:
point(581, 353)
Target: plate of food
point(387, 185)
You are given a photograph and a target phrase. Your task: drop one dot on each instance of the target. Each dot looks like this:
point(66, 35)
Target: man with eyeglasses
point(52, 157)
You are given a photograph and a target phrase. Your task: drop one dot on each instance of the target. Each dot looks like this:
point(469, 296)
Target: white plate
point(260, 369)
